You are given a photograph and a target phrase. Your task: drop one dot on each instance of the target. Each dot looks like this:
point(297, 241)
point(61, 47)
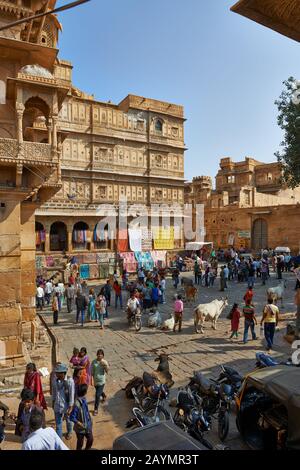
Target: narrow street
point(130, 354)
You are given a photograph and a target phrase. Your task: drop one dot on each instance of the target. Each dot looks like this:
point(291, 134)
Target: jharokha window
point(158, 126)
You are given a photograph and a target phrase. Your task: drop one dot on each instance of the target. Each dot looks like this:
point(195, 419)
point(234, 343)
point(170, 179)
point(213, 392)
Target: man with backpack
point(63, 392)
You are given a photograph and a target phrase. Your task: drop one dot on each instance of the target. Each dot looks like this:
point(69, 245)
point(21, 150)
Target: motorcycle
point(191, 417)
point(150, 406)
point(230, 376)
point(134, 318)
point(217, 398)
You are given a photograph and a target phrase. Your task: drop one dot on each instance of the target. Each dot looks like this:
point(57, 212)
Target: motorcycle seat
point(205, 384)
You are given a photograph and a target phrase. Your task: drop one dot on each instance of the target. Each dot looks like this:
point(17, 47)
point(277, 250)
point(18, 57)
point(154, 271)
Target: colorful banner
point(49, 261)
point(94, 271)
point(164, 238)
point(159, 258)
point(144, 260)
point(84, 271)
point(147, 237)
point(129, 262)
point(40, 262)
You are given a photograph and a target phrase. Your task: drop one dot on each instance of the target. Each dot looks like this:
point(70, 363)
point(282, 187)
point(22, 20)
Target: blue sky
point(224, 69)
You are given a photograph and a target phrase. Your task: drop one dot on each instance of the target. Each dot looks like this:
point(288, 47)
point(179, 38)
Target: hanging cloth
point(135, 239)
point(123, 241)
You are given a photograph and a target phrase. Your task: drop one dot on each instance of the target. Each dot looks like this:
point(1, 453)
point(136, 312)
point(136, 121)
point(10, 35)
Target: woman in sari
point(85, 365)
point(32, 381)
point(92, 306)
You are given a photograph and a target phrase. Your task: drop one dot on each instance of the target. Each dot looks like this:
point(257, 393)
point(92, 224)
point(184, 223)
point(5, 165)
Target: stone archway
point(80, 236)
point(259, 234)
point(58, 237)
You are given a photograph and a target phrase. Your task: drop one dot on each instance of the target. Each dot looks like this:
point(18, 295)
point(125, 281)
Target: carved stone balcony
point(29, 152)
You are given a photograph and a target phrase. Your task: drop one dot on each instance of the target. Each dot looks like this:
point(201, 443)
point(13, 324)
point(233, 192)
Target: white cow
point(276, 293)
point(209, 312)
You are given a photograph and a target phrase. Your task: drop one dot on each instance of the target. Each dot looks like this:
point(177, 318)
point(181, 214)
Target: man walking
point(40, 297)
point(250, 321)
point(270, 319)
point(99, 370)
point(48, 291)
point(81, 305)
point(70, 296)
point(264, 270)
point(118, 294)
point(63, 391)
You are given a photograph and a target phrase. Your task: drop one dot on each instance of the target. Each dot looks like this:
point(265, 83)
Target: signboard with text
point(244, 234)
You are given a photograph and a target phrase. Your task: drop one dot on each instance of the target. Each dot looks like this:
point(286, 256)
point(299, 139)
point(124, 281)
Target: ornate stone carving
point(35, 151)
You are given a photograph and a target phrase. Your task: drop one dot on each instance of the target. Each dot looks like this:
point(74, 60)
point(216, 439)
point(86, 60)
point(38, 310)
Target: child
point(55, 308)
point(234, 316)
point(82, 420)
point(26, 407)
point(101, 309)
point(178, 311)
point(74, 361)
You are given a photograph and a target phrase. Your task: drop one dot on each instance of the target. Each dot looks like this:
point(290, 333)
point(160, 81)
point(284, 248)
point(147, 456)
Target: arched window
point(2, 92)
point(101, 237)
point(58, 237)
point(158, 126)
point(40, 236)
point(79, 236)
point(36, 112)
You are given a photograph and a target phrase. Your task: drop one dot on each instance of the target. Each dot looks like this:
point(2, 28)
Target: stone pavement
point(131, 353)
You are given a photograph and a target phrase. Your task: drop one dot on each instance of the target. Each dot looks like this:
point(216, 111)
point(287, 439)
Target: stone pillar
point(49, 127)
point(54, 132)
point(20, 111)
point(59, 155)
point(70, 233)
point(47, 240)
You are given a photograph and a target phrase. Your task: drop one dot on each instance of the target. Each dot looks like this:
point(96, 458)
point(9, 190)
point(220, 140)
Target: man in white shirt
point(163, 289)
point(42, 439)
point(48, 291)
point(61, 291)
point(40, 297)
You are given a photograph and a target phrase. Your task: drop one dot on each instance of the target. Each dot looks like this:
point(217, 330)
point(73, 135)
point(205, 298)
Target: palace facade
point(63, 156)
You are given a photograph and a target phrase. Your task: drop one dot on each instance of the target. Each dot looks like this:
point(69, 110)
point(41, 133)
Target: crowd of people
point(146, 291)
point(68, 399)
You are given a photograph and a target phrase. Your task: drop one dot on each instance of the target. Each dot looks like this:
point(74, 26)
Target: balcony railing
point(30, 151)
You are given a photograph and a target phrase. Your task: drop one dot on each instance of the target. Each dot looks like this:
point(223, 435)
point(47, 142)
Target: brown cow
point(190, 293)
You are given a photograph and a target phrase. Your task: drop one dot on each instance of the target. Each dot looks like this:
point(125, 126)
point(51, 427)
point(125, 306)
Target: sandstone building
point(248, 207)
point(62, 154)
